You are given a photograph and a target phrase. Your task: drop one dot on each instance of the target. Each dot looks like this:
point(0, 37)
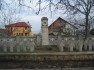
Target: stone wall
point(17, 44)
point(28, 44)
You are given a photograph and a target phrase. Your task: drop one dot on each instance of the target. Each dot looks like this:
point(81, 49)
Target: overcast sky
point(35, 20)
point(27, 12)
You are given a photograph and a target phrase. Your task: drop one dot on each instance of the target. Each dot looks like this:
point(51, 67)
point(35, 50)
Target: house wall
point(70, 29)
point(53, 26)
point(19, 31)
point(65, 27)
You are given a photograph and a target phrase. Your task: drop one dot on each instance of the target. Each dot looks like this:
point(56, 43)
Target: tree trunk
point(86, 26)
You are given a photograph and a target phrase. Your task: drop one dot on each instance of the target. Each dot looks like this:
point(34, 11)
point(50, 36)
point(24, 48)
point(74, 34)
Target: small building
point(3, 32)
point(18, 29)
point(62, 27)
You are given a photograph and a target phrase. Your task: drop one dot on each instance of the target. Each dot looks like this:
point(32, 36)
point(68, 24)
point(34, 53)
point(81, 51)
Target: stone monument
point(44, 29)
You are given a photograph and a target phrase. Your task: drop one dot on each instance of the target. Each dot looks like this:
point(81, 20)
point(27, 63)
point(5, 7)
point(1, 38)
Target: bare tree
point(74, 7)
point(8, 12)
point(84, 7)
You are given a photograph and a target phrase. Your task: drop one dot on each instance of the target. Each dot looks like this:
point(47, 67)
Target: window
point(25, 28)
point(26, 34)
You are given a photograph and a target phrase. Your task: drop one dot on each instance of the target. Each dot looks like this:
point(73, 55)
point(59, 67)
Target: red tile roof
point(18, 24)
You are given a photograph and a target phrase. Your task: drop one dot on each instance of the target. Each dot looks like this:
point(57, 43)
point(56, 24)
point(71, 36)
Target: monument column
point(44, 29)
